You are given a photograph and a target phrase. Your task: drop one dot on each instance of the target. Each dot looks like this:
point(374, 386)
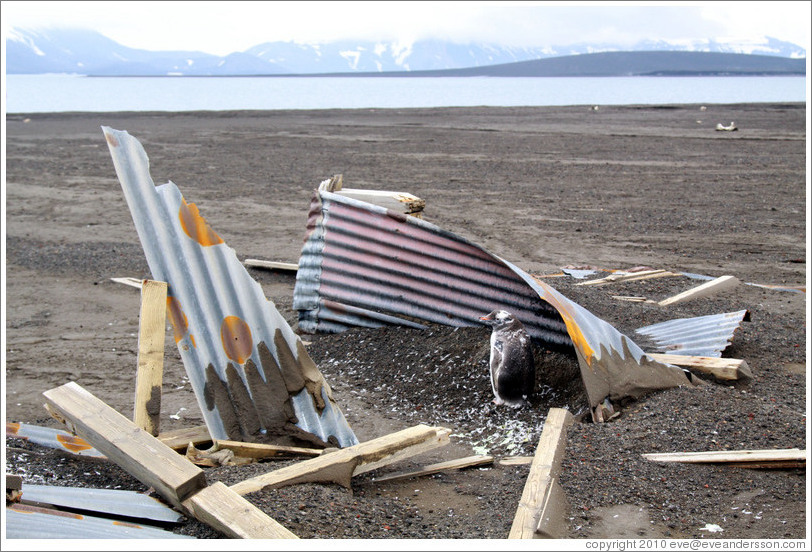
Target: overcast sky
point(225, 27)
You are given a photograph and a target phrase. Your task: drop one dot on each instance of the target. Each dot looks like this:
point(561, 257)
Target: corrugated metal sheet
point(697, 336)
point(24, 522)
point(360, 256)
point(104, 501)
point(250, 372)
point(52, 438)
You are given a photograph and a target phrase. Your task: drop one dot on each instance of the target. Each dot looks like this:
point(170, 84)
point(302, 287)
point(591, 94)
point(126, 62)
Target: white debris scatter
point(712, 527)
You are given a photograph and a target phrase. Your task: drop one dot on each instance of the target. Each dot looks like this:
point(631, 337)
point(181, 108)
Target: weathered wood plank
point(261, 450)
point(728, 369)
point(340, 465)
point(149, 376)
point(629, 277)
point(717, 285)
point(401, 202)
point(129, 446)
point(757, 456)
point(128, 281)
point(220, 507)
point(271, 265)
point(179, 439)
point(537, 492)
point(456, 464)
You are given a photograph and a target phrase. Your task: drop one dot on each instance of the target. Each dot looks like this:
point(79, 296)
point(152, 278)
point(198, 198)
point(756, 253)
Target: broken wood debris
point(728, 369)
point(543, 505)
point(147, 459)
point(261, 450)
point(762, 458)
point(129, 446)
point(339, 466)
point(149, 375)
point(629, 277)
point(721, 283)
point(456, 464)
point(401, 202)
point(14, 485)
point(129, 281)
point(271, 265)
point(179, 439)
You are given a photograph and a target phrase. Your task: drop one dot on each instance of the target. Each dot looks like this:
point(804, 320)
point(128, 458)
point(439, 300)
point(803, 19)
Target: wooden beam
point(220, 507)
point(136, 451)
point(629, 277)
point(760, 458)
point(261, 450)
point(127, 281)
point(401, 202)
point(539, 501)
point(721, 283)
point(728, 369)
point(149, 375)
point(340, 465)
point(456, 464)
point(179, 439)
point(271, 265)
point(516, 460)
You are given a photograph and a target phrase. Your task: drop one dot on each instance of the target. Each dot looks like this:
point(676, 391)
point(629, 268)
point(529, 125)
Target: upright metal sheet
point(116, 502)
point(698, 336)
point(250, 372)
point(358, 257)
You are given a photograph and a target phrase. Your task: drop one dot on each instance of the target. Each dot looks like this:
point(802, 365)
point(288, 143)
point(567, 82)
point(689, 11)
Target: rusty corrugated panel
point(52, 438)
point(366, 257)
point(251, 375)
point(406, 269)
point(698, 336)
point(115, 502)
point(28, 522)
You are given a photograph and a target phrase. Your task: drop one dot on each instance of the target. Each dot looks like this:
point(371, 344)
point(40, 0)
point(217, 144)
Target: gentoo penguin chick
point(513, 372)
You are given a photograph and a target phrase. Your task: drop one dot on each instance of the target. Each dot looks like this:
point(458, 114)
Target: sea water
point(56, 93)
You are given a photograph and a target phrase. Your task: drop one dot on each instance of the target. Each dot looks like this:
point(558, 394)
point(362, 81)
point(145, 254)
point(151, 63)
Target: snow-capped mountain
point(90, 53)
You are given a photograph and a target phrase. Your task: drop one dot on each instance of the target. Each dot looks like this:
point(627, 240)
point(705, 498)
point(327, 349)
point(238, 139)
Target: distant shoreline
point(433, 74)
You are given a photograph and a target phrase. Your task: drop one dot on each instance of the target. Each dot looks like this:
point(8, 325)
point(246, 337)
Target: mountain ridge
point(91, 53)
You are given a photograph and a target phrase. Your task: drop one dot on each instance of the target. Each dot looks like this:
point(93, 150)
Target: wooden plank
point(543, 473)
point(516, 461)
point(179, 439)
point(340, 465)
point(261, 450)
point(552, 517)
point(271, 265)
point(721, 283)
point(151, 336)
point(136, 451)
point(730, 456)
point(220, 507)
point(401, 202)
point(629, 277)
point(127, 281)
point(728, 369)
point(456, 464)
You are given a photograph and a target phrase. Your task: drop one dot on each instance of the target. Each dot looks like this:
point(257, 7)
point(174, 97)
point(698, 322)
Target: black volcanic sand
point(544, 188)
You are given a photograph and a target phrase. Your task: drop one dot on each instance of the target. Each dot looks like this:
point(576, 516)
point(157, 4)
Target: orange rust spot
point(12, 428)
point(573, 329)
point(180, 324)
point(111, 139)
point(125, 524)
point(72, 443)
point(236, 337)
point(196, 226)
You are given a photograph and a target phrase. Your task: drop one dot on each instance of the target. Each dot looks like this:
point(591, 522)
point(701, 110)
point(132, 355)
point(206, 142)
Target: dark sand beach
point(544, 188)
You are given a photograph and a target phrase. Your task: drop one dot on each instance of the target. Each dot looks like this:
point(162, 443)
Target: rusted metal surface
point(29, 522)
point(699, 336)
point(52, 438)
point(251, 375)
point(360, 256)
point(128, 504)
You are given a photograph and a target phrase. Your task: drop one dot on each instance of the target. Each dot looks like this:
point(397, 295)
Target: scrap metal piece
point(250, 372)
point(698, 336)
point(28, 522)
point(130, 504)
point(52, 438)
point(361, 257)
